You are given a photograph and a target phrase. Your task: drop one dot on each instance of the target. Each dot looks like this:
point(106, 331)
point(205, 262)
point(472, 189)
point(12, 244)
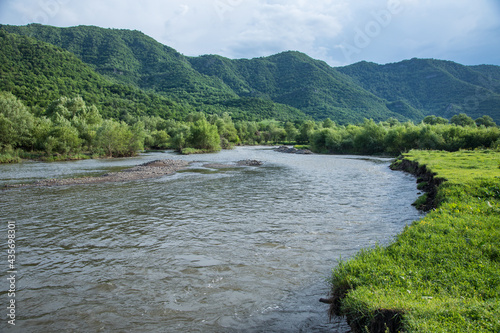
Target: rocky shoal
point(153, 169)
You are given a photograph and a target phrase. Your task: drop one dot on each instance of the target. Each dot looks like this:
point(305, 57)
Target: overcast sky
point(339, 32)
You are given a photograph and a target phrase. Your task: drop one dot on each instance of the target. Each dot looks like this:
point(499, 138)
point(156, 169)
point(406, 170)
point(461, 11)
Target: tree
point(371, 138)
point(328, 123)
point(117, 139)
point(462, 120)
point(204, 136)
point(179, 133)
point(227, 132)
point(391, 122)
point(433, 120)
point(326, 140)
point(41, 131)
point(136, 142)
point(63, 138)
point(277, 134)
point(430, 139)
point(161, 139)
point(66, 107)
point(16, 123)
point(291, 131)
point(485, 121)
point(393, 141)
point(306, 130)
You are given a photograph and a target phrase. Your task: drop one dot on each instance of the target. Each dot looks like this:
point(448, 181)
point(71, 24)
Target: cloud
point(278, 26)
point(421, 28)
point(337, 31)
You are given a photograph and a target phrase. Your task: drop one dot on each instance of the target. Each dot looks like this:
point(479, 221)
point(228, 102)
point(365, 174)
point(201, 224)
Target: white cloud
point(422, 28)
point(459, 30)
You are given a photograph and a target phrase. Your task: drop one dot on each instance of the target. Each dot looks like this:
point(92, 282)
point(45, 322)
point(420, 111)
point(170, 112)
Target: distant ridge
point(442, 88)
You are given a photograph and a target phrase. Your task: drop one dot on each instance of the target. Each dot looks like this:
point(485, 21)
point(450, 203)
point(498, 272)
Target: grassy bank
point(19, 155)
point(442, 273)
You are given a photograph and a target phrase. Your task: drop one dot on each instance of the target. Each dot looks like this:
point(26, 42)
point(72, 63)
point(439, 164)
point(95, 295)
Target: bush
point(204, 136)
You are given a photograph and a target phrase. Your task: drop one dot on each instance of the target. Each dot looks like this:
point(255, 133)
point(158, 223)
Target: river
point(243, 249)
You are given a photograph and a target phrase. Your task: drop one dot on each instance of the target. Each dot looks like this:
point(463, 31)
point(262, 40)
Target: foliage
point(433, 120)
point(462, 120)
point(204, 136)
point(68, 126)
point(9, 156)
point(118, 67)
point(485, 121)
point(118, 139)
point(386, 138)
point(441, 273)
point(16, 122)
point(86, 95)
point(294, 79)
point(63, 137)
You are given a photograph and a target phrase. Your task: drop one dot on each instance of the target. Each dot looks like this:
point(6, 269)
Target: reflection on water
point(243, 249)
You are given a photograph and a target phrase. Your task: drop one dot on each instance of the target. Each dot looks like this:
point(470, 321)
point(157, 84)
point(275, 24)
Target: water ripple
point(243, 249)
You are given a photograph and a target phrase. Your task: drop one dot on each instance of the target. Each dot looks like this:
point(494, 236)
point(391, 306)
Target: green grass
point(9, 158)
point(462, 166)
point(442, 273)
point(17, 156)
point(190, 151)
point(65, 157)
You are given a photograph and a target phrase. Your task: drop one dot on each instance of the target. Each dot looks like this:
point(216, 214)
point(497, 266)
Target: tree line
point(392, 137)
point(68, 128)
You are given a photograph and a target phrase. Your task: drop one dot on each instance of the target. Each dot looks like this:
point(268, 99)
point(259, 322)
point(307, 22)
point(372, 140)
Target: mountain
point(295, 79)
point(285, 86)
point(436, 87)
point(291, 81)
point(40, 73)
point(129, 57)
point(128, 61)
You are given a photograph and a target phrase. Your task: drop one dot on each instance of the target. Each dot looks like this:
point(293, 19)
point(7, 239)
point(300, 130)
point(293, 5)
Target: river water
point(204, 250)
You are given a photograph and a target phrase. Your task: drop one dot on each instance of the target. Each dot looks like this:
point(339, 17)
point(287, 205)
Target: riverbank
point(147, 170)
point(442, 273)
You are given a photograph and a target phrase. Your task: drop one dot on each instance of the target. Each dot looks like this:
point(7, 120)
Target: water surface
point(206, 250)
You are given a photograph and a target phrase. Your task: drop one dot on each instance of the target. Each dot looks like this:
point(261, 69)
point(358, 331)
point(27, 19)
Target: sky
point(340, 32)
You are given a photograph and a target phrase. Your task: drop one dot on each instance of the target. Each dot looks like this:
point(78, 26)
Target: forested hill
point(295, 79)
point(436, 87)
point(286, 83)
point(286, 86)
point(39, 73)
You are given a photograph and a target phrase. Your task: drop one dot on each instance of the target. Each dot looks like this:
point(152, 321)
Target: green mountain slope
point(133, 58)
point(130, 56)
point(285, 86)
point(291, 78)
point(40, 73)
point(295, 79)
point(436, 87)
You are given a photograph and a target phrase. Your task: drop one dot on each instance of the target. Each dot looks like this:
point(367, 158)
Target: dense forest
point(87, 91)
